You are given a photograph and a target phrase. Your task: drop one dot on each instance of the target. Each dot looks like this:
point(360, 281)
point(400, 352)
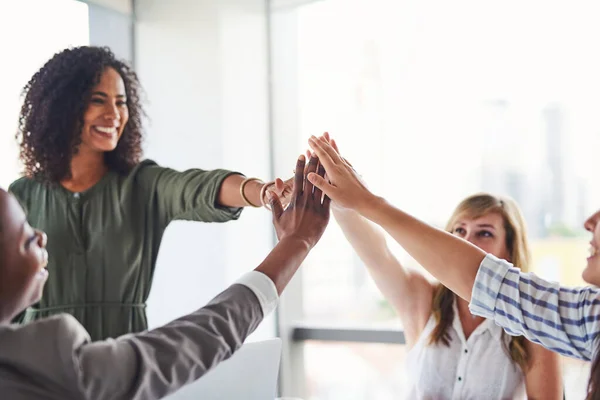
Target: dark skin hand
point(299, 227)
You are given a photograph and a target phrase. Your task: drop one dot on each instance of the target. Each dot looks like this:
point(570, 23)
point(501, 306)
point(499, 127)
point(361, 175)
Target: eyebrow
point(102, 94)
point(486, 226)
point(478, 225)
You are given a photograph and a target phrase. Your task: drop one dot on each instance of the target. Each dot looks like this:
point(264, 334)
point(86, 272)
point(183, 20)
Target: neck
point(86, 170)
point(464, 312)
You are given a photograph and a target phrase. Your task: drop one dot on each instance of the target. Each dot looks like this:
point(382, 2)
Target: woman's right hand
point(345, 187)
point(308, 212)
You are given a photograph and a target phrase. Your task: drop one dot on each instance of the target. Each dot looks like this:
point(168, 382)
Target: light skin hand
point(345, 186)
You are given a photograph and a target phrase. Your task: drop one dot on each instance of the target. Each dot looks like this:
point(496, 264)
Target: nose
point(590, 223)
point(112, 113)
point(42, 239)
point(468, 237)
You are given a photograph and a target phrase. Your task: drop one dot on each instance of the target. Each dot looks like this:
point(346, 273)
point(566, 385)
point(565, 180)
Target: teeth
point(106, 130)
point(593, 251)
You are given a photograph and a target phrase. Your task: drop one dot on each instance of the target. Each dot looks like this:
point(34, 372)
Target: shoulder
point(27, 190)
point(146, 171)
point(22, 186)
point(34, 344)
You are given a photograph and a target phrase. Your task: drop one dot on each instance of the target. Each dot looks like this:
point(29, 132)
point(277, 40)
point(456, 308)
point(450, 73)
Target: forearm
point(453, 261)
point(283, 261)
point(367, 240)
point(155, 363)
point(230, 196)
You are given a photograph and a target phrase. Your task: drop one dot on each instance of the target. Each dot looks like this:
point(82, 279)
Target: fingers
point(312, 168)
point(276, 207)
point(319, 148)
point(335, 146)
point(299, 178)
point(319, 192)
point(279, 186)
point(326, 202)
point(320, 183)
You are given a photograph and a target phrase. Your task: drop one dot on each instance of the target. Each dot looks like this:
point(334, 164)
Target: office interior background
point(433, 100)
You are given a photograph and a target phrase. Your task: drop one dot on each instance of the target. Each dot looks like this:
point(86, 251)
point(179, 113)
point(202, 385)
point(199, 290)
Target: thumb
point(322, 184)
point(276, 206)
point(279, 185)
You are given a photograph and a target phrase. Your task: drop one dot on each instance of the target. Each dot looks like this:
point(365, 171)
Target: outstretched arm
point(450, 259)
point(523, 304)
point(153, 364)
point(409, 292)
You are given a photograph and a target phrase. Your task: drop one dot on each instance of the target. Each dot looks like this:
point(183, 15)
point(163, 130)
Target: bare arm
point(450, 259)
point(155, 363)
point(453, 261)
point(408, 291)
point(229, 194)
point(543, 379)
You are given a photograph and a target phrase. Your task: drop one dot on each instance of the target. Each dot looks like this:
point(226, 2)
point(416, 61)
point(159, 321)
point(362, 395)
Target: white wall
point(203, 65)
point(113, 29)
point(23, 51)
point(122, 6)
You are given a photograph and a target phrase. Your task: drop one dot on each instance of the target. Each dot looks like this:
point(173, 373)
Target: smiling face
point(106, 114)
point(23, 259)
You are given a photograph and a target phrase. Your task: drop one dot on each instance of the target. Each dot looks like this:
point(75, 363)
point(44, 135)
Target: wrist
point(370, 204)
point(263, 194)
point(250, 192)
point(296, 241)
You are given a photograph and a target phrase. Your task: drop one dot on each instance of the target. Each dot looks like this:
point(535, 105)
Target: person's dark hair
point(51, 118)
point(593, 389)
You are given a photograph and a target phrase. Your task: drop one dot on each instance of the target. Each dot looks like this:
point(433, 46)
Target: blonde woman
point(452, 354)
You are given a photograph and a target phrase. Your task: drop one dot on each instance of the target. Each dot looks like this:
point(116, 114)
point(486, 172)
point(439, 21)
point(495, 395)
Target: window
point(433, 101)
point(29, 39)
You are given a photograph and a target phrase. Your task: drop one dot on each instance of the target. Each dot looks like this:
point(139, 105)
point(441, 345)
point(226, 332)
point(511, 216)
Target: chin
point(591, 274)
point(105, 146)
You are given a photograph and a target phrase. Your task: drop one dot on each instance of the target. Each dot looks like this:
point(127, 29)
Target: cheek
point(124, 116)
point(493, 247)
point(90, 115)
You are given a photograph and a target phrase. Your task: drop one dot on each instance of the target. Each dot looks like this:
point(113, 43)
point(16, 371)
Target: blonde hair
point(474, 207)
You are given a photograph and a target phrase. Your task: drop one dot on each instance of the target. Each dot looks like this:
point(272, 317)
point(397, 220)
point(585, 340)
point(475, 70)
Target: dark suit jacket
point(53, 358)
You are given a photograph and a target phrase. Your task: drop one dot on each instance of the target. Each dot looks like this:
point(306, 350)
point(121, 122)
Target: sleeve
point(188, 195)
point(156, 363)
point(564, 320)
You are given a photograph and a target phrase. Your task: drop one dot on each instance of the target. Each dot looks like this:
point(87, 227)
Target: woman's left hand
point(283, 190)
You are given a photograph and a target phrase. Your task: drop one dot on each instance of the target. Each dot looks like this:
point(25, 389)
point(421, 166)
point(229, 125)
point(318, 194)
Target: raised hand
point(283, 190)
point(307, 214)
point(343, 185)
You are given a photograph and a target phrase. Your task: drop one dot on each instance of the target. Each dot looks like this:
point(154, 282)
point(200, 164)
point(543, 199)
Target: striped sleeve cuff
point(487, 286)
point(264, 289)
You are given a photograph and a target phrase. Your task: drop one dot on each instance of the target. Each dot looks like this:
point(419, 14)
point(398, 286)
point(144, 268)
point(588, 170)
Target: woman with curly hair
point(80, 135)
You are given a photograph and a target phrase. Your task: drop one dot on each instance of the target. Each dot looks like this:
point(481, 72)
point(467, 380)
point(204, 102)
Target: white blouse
point(477, 368)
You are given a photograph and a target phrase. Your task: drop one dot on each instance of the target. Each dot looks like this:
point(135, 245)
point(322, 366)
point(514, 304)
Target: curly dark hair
point(51, 118)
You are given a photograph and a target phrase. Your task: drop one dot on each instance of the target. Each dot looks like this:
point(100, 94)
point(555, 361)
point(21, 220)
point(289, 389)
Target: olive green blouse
point(103, 243)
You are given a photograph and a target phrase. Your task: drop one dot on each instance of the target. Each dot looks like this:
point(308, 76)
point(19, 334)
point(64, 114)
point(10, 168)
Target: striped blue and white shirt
point(565, 320)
